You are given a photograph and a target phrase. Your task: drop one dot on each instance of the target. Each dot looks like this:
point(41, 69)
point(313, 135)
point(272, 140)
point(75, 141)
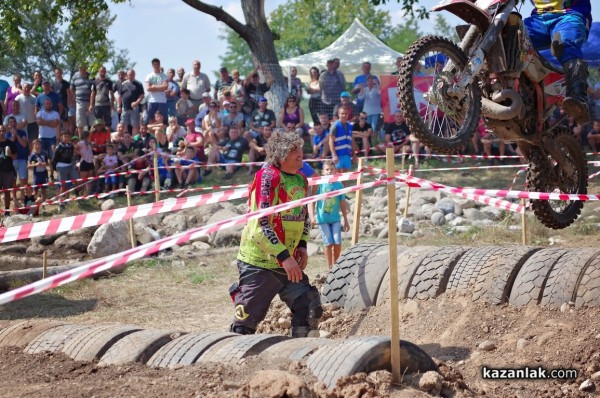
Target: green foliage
point(58, 33)
point(198, 278)
point(325, 20)
point(402, 36)
point(442, 28)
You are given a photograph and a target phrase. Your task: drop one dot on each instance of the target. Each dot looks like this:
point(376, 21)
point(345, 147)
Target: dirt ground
point(155, 293)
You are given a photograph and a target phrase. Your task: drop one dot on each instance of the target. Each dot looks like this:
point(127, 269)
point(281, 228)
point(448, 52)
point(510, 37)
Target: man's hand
point(302, 257)
point(294, 272)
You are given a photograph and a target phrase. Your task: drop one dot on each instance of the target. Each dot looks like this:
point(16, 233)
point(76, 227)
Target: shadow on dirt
point(452, 352)
point(45, 306)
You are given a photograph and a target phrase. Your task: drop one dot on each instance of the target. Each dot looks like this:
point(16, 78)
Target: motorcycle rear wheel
point(449, 124)
point(552, 213)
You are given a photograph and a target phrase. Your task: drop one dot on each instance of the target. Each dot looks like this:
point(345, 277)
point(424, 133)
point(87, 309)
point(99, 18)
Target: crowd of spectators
point(93, 126)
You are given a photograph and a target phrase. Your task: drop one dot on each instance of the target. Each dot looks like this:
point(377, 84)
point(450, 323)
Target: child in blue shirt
point(327, 215)
point(190, 175)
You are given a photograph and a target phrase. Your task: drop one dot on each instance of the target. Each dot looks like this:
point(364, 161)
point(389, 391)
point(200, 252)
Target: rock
point(110, 239)
point(587, 386)
point(36, 249)
point(174, 223)
point(461, 229)
point(465, 203)
point(145, 234)
point(492, 212)
point(487, 345)
point(284, 323)
point(567, 306)
point(595, 376)
point(178, 263)
point(446, 205)
point(380, 203)
point(14, 248)
point(153, 221)
point(459, 221)
point(380, 192)
point(450, 217)
point(431, 382)
point(428, 209)
point(201, 246)
point(438, 218)
point(379, 216)
point(376, 231)
point(312, 249)
point(67, 242)
point(412, 307)
point(275, 383)
point(421, 196)
point(108, 205)
point(406, 226)
point(226, 237)
point(383, 234)
point(521, 343)
point(47, 240)
point(474, 215)
point(324, 334)
point(204, 212)
point(17, 219)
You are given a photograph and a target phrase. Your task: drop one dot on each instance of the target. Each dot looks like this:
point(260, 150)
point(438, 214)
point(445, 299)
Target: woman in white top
point(372, 105)
point(175, 133)
point(87, 168)
point(314, 89)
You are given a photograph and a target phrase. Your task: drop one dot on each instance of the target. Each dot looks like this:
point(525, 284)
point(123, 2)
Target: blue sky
point(178, 34)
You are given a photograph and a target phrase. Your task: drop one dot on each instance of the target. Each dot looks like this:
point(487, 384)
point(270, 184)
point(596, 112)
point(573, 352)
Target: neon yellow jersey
point(268, 241)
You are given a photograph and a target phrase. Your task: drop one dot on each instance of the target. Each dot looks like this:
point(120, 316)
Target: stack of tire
point(328, 360)
point(518, 275)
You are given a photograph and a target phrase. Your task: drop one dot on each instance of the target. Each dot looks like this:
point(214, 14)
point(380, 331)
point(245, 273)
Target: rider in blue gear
point(563, 26)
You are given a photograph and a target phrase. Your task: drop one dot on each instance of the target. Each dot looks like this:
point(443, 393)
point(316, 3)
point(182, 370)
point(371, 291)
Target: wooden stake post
point(407, 193)
point(44, 264)
point(357, 204)
point(524, 223)
point(393, 255)
point(156, 178)
point(131, 231)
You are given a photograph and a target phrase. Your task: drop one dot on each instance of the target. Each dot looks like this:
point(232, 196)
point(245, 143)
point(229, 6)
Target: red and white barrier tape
point(115, 260)
point(498, 203)
point(50, 227)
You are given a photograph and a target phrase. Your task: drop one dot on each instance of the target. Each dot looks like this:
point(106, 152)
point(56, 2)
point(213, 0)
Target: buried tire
point(588, 292)
point(186, 349)
point(431, 277)
point(92, 344)
point(293, 349)
point(408, 262)
point(365, 354)
point(53, 340)
point(531, 279)
point(563, 282)
point(234, 351)
point(341, 273)
point(365, 285)
point(21, 334)
point(137, 347)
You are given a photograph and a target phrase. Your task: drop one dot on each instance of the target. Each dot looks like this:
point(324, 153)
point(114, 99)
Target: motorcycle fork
point(549, 145)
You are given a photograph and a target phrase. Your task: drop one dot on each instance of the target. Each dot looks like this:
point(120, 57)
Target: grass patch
point(198, 278)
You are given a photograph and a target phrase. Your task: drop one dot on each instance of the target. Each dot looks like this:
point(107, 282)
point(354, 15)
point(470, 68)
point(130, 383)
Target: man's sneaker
point(228, 176)
point(167, 183)
point(206, 172)
point(6, 212)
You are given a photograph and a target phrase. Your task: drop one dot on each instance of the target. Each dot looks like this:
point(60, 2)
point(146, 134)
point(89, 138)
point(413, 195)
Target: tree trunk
point(258, 35)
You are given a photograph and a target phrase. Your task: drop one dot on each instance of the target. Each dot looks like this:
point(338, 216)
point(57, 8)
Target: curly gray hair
point(280, 144)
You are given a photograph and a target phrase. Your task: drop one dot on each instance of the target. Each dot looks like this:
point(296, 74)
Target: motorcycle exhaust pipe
point(493, 110)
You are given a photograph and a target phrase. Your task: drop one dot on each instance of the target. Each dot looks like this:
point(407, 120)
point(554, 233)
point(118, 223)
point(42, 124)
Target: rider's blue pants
point(571, 27)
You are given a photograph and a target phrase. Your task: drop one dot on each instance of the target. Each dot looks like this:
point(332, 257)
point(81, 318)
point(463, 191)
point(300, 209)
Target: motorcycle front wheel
point(440, 120)
point(545, 175)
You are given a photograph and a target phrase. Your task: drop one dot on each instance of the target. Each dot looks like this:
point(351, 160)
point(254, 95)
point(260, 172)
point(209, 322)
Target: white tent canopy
point(354, 47)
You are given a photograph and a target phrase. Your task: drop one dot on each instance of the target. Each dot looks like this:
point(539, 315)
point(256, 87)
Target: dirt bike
point(495, 74)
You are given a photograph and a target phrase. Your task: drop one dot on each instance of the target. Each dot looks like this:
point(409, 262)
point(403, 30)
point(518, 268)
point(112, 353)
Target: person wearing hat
point(345, 102)
point(260, 118)
point(224, 83)
point(254, 89)
point(99, 137)
point(203, 109)
point(47, 92)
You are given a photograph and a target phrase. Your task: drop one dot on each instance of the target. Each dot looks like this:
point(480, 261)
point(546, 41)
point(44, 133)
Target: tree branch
point(220, 15)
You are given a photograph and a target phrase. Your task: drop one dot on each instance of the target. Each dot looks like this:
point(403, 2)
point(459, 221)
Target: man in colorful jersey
point(272, 255)
point(563, 25)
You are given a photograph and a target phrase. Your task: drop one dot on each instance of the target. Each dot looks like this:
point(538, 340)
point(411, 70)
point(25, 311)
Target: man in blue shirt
point(361, 81)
